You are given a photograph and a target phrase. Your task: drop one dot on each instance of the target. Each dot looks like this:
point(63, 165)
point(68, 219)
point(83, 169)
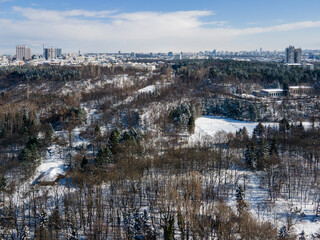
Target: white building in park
point(293, 91)
point(300, 90)
point(276, 92)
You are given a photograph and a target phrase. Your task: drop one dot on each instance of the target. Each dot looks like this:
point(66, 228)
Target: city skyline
point(106, 26)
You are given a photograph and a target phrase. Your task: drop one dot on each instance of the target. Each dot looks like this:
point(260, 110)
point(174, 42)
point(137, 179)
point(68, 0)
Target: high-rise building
point(297, 55)
point(293, 55)
point(289, 54)
point(52, 53)
point(23, 52)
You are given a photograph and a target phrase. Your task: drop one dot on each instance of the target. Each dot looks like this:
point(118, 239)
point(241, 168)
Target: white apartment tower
point(23, 52)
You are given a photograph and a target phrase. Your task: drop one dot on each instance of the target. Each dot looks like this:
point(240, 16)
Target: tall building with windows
point(293, 55)
point(289, 54)
point(52, 53)
point(23, 52)
point(297, 55)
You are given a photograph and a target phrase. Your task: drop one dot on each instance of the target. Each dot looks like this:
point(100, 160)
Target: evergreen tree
point(3, 184)
point(168, 227)
point(245, 135)
point(97, 130)
point(31, 152)
point(84, 162)
point(252, 111)
point(259, 131)
point(274, 145)
point(285, 88)
point(265, 149)
point(191, 125)
point(284, 126)
point(241, 204)
point(251, 156)
point(104, 156)
point(114, 140)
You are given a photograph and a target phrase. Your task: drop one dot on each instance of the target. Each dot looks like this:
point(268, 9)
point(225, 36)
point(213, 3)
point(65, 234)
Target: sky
point(159, 26)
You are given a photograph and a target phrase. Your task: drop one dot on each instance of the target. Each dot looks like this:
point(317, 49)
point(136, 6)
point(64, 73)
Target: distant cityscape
point(291, 56)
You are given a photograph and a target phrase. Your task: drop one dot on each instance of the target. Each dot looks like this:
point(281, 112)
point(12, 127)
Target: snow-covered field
point(208, 126)
point(150, 88)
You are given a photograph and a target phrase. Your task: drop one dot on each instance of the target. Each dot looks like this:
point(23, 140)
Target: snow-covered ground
point(147, 89)
point(279, 211)
point(53, 164)
point(208, 126)
point(55, 161)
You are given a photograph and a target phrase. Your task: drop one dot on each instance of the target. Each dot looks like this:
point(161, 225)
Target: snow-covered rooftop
point(272, 90)
point(51, 175)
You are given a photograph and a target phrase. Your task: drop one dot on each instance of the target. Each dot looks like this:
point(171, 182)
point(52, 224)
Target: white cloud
point(139, 31)
point(40, 14)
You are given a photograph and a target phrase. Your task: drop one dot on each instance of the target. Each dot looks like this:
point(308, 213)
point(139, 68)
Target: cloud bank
point(105, 31)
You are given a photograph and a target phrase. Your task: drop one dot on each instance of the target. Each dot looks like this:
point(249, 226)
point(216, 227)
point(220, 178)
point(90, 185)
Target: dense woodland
point(137, 177)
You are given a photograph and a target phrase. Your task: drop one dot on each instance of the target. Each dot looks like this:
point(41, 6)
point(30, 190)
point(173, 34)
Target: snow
point(209, 126)
point(272, 90)
point(298, 87)
point(248, 96)
point(51, 175)
point(256, 194)
point(276, 212)
point(53, 165)
point(150, 88)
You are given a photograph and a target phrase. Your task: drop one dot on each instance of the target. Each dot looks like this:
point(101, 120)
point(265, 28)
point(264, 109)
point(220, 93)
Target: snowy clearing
point(53, 164)
point(209, 126)
point(147, 89)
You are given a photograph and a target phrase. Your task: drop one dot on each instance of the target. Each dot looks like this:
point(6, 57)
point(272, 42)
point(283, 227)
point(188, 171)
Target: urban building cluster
point(53, 56)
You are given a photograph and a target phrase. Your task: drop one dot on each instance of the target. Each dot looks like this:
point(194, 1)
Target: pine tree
point(241, 204)
point(250, 156)
point(285, 87)
point(168, 227)
point(191, 125)
point(114, 140)
point(284, 126)
point(97, 130)
point(3, 184)
point(245, 135)
point(259, 131)
point(84, 162)
point(104, 156)
point(252, 110)
point(274, 146)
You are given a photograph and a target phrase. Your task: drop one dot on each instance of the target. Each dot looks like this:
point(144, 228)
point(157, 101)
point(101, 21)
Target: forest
point(120, 140)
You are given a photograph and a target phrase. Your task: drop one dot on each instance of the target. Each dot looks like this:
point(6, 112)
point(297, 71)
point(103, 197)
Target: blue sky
point(144, 26)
